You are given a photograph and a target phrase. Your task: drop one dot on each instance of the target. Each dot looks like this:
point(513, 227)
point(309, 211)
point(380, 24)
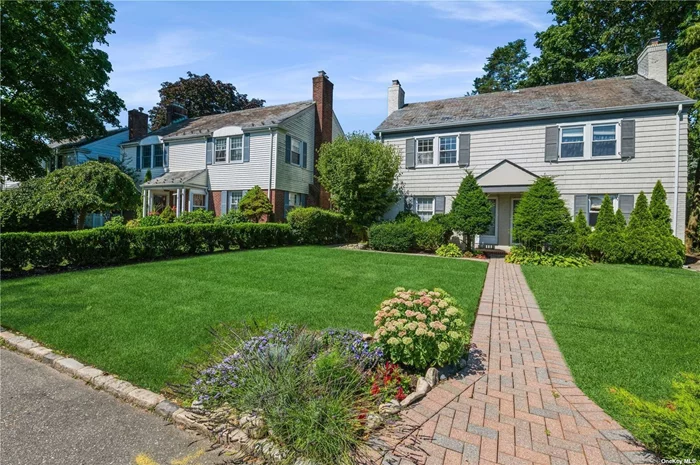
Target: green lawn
point(143, 321)
point(629, 326)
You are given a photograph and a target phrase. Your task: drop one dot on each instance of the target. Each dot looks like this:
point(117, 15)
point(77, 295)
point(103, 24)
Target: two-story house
point(211, 161)
point(613, 136)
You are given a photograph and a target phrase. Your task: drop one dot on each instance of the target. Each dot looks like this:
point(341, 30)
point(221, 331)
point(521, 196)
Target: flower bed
point(291, 394)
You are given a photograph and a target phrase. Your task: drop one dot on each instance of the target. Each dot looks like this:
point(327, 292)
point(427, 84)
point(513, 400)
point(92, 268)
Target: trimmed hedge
point(311, 225)
point(408, 235)
point(110, 246)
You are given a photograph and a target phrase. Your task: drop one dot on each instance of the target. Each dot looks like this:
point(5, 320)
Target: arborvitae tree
point(471, 210)
point(148, 176)
point(582, 231)
point(605, 243)
point(621, 221)
point(255, 204)
point(660, 213)
point(542, 220)
point(640, 217)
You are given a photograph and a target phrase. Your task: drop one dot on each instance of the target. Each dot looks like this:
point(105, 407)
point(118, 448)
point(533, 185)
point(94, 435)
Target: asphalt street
point(47, 417)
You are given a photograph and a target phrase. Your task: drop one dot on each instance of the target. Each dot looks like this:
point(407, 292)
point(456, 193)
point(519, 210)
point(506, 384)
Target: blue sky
point(271, 50)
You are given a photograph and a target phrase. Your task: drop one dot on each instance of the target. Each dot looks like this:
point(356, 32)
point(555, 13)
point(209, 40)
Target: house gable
point(505, 176)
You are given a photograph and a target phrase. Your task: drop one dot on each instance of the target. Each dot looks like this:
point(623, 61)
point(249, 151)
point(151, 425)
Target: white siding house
point(612, 136)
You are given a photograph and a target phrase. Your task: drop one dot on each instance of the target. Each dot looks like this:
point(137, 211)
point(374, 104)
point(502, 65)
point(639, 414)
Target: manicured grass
point(627, 326)
point(144, 321)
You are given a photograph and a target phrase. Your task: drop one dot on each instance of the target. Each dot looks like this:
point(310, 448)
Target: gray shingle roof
point(254, 117)
point(67, 143)
point(177, 178)
point(534, 102)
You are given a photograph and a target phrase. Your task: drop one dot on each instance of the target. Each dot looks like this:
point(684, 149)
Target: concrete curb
point(98, 379)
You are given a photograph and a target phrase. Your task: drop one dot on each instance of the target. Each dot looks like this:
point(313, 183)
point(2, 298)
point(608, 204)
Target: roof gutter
point(676, 172)
point(508, 119)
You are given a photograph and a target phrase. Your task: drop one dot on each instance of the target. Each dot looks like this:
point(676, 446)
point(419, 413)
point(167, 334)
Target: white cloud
point(490, 12)
point(166, 50)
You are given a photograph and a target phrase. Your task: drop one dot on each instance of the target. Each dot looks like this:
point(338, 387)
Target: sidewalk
point(522, 406)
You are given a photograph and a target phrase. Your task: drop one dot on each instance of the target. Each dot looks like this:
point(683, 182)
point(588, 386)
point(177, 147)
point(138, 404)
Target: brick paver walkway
point(515, 404)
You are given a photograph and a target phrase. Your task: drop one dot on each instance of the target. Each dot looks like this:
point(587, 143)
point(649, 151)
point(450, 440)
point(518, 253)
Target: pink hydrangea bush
point(421, 328)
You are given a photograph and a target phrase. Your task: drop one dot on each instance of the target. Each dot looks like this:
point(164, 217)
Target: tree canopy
point(505, 69)
point(54, 79)
point(201, 96)
point(360, 174)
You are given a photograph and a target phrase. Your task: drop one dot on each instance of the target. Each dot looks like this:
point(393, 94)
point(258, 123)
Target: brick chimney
point(323, 98)
point(138, 124)
point(396, 96)
point(174, 112)
point(652, 63)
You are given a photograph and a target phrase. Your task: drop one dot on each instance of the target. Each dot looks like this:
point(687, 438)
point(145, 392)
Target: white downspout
point(677, 169)
point(272, 151)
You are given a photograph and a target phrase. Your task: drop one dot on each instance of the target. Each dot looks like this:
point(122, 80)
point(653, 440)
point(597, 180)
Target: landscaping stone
point(15, 340)
point(432, 376)
point(101, 381)
point(39, 352)
point(119, 387)
point(254, 426)
point(27, 345)
point(166, 408)
point(87, 374)
point(411, 398)
point(390, 408)
point(68, 365)
point(6, 335)
point(374, 421)
point(422, 386)
point(144, 398)
point(188, 420)
point(51, 358)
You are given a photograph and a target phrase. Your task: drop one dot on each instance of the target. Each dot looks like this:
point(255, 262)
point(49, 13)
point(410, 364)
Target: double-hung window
point(146, 156)
point(220, 150)
point(425, 207)
point(236, 149)
point(448, 150)
point(572, 142)
point(235, 198)
point(198, 201)
point(296, 152)
point(424, 152)
point(589, 140)
point(158, 156)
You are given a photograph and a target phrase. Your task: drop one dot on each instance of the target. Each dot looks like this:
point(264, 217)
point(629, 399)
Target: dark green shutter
point(464, 149)
point(551, 143)
point(138, 157)
point(288, 148)
point(410, 153)
point(303, 154)
point(628, 136)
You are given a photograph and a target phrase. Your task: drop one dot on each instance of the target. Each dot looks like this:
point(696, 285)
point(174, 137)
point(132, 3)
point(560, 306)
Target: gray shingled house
point(613, 136)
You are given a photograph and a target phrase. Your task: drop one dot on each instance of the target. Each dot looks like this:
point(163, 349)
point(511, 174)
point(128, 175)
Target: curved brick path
point(515, 404)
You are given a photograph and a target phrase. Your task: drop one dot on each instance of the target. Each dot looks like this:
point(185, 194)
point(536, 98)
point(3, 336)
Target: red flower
point(375, 389)
point(400, 394)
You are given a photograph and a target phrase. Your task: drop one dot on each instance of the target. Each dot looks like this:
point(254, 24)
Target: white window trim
point(588, 140)
point(230, 199)
point(301, 151)
point(436, 150)
point(424, 197)
point(228, 160)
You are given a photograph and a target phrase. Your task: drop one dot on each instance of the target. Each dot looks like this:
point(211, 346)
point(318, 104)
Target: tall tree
point(505, 69)
point(201, 96)
point(54, 79)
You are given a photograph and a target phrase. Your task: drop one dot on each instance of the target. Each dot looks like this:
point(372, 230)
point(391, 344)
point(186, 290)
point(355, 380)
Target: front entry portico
point(182, 190)
point(504, 183)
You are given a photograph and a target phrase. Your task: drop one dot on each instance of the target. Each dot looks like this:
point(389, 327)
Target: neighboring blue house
point(76, 152)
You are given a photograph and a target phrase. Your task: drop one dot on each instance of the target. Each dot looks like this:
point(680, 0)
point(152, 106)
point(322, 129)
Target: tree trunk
point(81, 219)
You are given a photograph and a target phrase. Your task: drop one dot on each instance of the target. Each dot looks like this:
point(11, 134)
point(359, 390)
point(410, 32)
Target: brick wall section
point(215, 202)
point(323, 96)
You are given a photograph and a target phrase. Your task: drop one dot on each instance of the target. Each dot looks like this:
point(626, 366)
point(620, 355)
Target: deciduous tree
point(54, 79)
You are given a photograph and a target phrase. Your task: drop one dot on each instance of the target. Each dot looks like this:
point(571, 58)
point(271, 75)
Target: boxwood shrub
point(109, 246)
point(313, 225)
point(392, 237)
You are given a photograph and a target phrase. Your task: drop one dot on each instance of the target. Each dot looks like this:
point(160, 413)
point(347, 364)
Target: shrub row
point(406, 236)
point(523, 256)
point(312, 225)
point(109, 246)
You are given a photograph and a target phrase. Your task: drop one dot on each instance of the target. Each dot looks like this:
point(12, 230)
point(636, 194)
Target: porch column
point(145, 204)
point(150, 201)
point(177, 202)
point(183, 203)
point(189, 205)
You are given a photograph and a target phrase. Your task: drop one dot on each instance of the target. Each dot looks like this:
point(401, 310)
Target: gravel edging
point(98, 379)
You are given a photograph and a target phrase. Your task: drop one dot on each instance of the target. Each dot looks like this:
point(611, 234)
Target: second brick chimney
point(652, 63)
point(138, 124)
point(323, 98)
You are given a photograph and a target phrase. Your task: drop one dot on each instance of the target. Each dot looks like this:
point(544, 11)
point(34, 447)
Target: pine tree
point(640, 217)
point(605, 243)
point(659, 210)
point(582, 230)
point(606, 217)
point(471, 210)
point(542, 220)
point(255, 204)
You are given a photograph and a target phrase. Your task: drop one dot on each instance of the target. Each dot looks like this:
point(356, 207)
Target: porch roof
point(197, 178)
point(506, 176)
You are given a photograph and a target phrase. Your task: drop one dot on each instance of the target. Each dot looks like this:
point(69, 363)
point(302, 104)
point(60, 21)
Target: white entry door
point(490, 237)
